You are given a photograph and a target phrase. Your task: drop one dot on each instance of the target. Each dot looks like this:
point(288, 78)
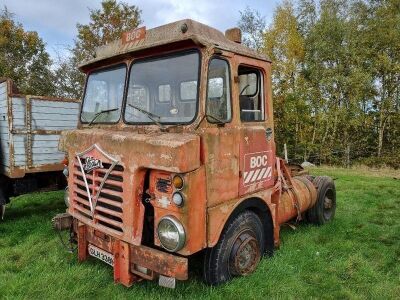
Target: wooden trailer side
point(30, 128)
point(37, 125)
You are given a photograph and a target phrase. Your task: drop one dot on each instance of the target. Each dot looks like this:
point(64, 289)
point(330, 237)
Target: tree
point(338, 83)
point(336, 77)
point(284, 44)
point(106, 25)
point(253, 26)
point(383, 40)
point(23, 57)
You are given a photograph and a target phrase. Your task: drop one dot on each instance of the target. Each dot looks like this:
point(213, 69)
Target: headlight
point(177, 198)
point(66, 196)
point(171, 234)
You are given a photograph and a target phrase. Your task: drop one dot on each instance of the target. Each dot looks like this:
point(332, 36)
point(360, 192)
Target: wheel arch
point(261, 208)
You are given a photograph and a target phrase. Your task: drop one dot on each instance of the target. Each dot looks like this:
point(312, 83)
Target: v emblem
point(95, 153)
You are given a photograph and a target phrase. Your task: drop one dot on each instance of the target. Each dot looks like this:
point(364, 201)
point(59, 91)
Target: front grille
point(108, 210)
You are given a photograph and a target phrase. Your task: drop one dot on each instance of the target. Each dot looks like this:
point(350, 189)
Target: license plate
point(102, 255)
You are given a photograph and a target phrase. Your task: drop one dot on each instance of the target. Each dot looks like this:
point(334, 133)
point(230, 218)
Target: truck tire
point(2, 211)
point(238, 251)
point(324, 209)
point(3, 201)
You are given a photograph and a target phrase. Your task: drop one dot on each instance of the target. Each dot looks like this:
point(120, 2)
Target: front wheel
point(238, 252)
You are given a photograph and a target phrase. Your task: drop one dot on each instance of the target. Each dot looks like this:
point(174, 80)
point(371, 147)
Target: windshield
point(103, 95)
point(163, 90)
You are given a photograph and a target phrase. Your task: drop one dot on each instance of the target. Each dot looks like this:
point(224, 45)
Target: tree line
point(336, 78)
point(336, 71)
point(23, 56)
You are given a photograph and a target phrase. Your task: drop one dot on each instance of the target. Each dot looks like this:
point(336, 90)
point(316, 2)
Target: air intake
point(234, 34)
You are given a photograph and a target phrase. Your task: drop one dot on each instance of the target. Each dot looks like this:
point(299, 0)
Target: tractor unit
point(174, 155)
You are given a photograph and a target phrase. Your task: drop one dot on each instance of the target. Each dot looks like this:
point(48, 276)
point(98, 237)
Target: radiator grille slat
point(109, 207)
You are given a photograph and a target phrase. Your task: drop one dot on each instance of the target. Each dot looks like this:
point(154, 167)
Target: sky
point(55, 20)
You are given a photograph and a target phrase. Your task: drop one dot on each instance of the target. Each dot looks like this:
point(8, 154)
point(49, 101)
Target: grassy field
point(357, 256)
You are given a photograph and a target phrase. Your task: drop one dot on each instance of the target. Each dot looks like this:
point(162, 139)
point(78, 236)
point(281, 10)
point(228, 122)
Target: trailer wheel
point(2, 211)
point(3, 201)
point(324, 209)
point(238, 252)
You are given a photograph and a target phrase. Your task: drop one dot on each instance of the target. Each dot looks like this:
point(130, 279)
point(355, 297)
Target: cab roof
point(182, 30)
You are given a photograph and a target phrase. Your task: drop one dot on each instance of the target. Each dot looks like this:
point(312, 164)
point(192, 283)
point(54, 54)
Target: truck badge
point(91, 164)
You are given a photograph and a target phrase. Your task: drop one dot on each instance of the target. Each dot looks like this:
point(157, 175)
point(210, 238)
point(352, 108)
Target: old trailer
point(30, 127)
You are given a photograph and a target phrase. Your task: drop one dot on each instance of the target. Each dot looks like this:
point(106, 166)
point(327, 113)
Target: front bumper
point(131, 263)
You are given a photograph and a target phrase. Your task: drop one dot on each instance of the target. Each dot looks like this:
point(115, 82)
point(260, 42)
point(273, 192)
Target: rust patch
point(160, 262)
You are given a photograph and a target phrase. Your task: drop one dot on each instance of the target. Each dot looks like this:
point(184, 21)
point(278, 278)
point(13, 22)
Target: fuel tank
point(296, 199)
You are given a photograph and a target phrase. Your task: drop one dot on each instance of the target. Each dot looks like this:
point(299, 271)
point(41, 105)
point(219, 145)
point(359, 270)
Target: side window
point(251, 95)
point(218, 92)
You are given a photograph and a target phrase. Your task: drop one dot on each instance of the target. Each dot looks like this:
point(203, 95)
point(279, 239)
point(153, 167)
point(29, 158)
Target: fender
point(218, 216)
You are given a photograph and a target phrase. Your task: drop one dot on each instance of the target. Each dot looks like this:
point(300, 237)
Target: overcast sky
point(55, 20)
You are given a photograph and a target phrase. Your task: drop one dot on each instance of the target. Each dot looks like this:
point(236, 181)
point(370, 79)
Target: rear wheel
point(238, 252)
point(324, 209)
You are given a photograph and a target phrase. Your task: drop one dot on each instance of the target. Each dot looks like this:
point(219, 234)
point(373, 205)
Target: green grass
point(357, 256)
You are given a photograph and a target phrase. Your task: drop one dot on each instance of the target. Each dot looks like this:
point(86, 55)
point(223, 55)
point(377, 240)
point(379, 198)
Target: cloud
point(173, 10)
point(55, 21)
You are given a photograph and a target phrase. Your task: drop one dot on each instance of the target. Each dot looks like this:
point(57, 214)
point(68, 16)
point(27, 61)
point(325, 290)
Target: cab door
point(221, 138)
point(256, 147)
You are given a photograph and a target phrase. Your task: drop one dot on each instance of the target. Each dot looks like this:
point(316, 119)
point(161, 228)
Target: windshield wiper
point(150, 115)
point(102, 112)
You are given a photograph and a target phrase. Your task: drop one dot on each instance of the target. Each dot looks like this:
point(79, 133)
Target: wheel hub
point(328, 207)
point(245, 254)
point(327, 203)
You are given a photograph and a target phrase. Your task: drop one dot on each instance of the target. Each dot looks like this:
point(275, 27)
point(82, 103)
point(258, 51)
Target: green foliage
point(252, 25)
point(357, 256)
point(106, 25)
point(336, 76)
point(23, 57)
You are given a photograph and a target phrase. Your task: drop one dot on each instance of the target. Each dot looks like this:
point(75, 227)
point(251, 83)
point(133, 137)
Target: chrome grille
point(108, 210)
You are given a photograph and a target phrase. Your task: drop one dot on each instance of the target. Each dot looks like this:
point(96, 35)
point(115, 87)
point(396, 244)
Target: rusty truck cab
point(174, 144)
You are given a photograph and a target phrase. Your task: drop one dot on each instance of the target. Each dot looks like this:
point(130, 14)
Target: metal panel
point(4, 128)
point(18, 111)
point(35, 120)
point(45, 149)
point(29, 131)
point(53, 115)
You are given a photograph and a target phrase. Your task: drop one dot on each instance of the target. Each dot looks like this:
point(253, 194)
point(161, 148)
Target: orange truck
point(174, 155)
